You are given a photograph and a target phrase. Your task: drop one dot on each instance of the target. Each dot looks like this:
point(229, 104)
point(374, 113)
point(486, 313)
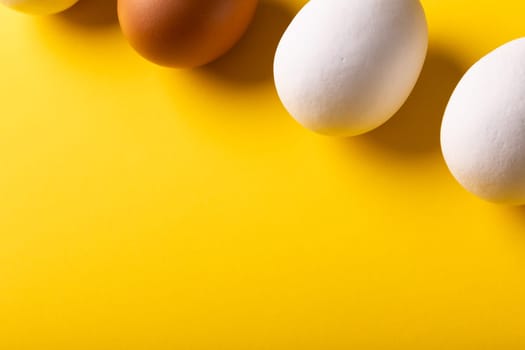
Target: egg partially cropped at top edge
point(184, 33)
point(344, 67)
point(39, 7)
point(483, 130)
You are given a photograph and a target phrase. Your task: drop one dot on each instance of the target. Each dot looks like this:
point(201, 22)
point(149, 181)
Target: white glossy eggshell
point(483, 130)
point(344, 67)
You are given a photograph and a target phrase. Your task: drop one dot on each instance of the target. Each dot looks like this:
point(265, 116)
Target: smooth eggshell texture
point(39, 7)
point(483, 130)
point(344, 67)
point(184, 33)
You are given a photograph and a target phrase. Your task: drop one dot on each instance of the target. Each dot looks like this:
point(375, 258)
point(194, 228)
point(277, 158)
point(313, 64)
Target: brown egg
point(184, 33)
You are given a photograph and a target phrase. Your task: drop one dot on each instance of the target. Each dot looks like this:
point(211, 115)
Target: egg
point(344, 67)
point(39, 7)
point(483, 129)
point(184, 33)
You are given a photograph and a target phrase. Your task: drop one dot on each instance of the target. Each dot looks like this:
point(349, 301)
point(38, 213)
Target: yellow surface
point(145, 208)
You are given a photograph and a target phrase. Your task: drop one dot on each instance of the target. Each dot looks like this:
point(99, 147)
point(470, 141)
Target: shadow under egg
point(91, 14)
point(251, 60)
point(415, 129)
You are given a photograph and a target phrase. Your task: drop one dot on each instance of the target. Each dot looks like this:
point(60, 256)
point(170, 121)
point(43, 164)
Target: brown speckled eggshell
point(184, 33)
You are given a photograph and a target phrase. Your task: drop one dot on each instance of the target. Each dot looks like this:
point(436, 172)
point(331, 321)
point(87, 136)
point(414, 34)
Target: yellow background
point(146, 208)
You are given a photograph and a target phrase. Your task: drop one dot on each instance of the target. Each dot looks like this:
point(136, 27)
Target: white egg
point(344, 67)
point(483, 131)
point(39, 7)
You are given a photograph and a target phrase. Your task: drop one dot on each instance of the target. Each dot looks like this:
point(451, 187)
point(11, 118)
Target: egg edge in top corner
point(39, 7)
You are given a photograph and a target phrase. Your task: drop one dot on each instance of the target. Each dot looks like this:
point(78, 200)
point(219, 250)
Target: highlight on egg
point(345, 67)
point(483, 130)
point(184, 33)
point(39, 7)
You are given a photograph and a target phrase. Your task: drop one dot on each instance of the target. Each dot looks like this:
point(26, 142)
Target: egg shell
point(39, 7)
point(483, 130)
point(344, 67)
point(184, 33)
